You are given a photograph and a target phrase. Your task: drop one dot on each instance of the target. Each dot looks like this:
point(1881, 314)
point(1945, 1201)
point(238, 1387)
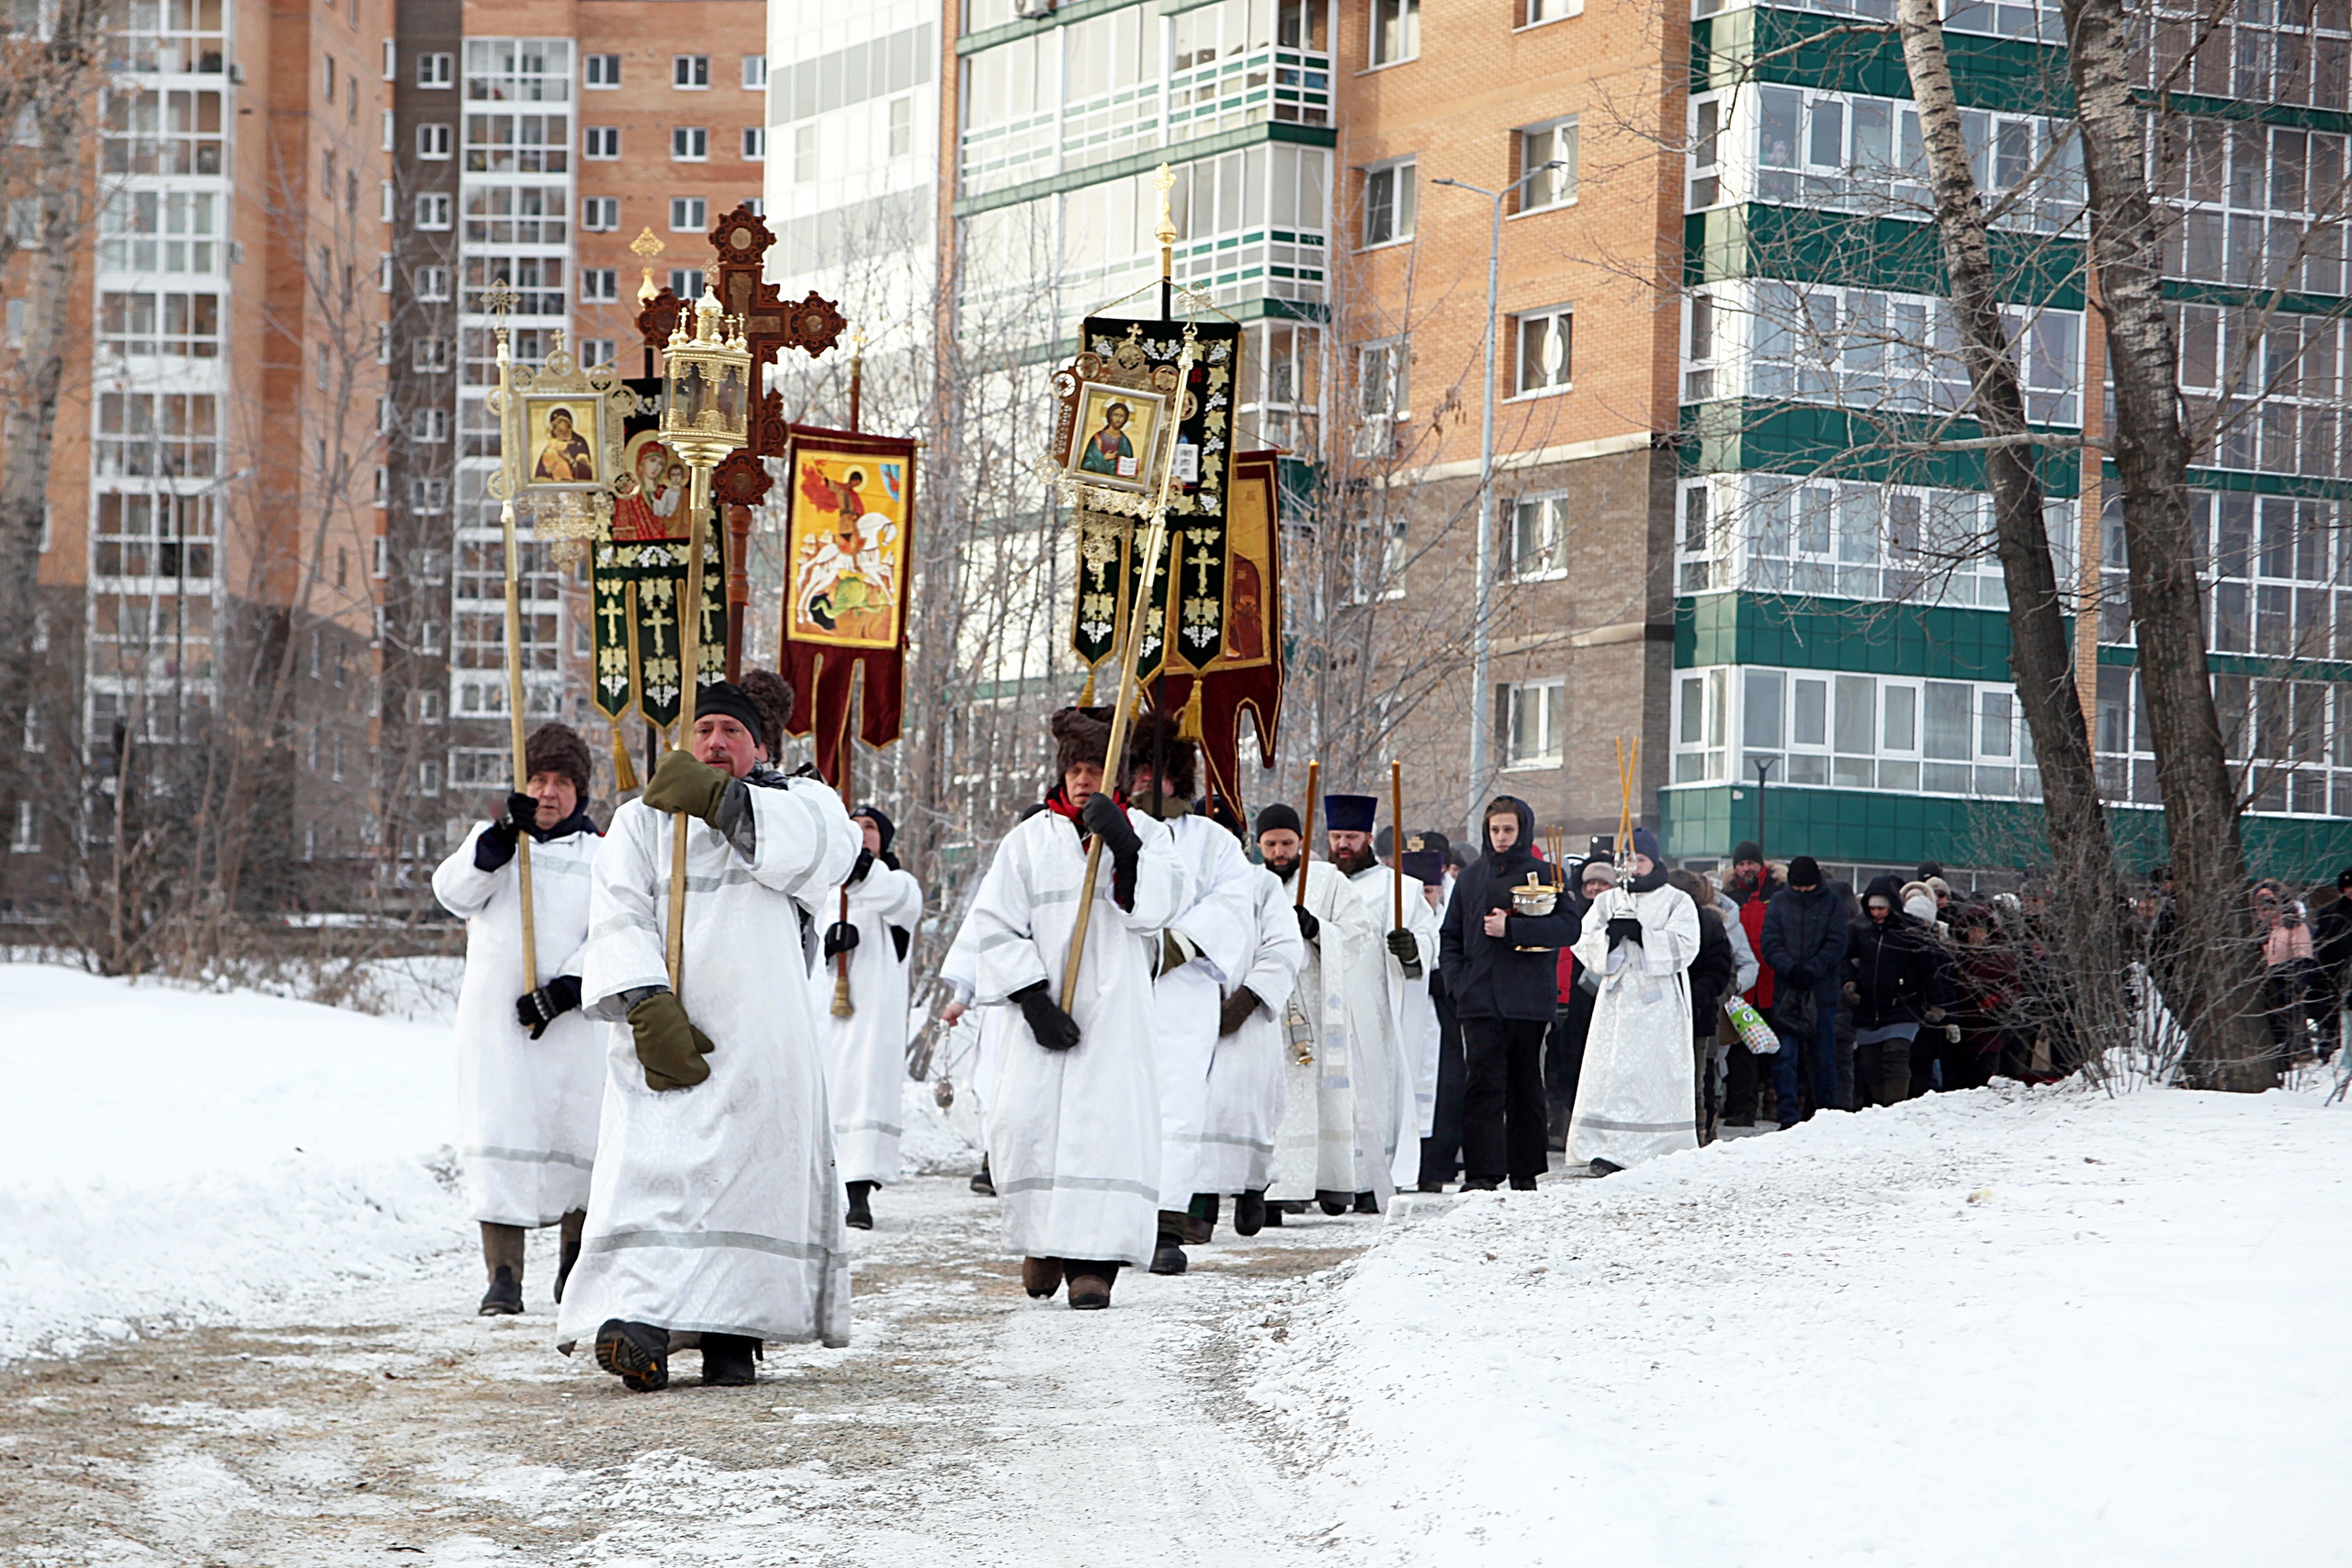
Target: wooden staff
point(1128, 685)
point(1396, 834)
point(514, 665)
point(690, 673)
point(842, 1006)
point(1307, 844)
point(1628, 765)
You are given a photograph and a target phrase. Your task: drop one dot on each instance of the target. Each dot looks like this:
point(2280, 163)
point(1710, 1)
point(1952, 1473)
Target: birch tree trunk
point(2219, 969)
point(2041, 653)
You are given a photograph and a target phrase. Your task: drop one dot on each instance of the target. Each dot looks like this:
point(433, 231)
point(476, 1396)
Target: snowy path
point(965, 1425)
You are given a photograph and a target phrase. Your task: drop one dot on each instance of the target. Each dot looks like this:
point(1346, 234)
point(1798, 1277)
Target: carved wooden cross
point(771, 324)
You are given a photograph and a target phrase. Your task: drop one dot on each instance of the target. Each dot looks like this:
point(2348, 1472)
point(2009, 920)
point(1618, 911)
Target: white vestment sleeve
point(806, 844)
point(1005, 956)
point(1223, 915)
point(627, 892)
point(1670, 935)
point(1280, 952)
point(461, 888)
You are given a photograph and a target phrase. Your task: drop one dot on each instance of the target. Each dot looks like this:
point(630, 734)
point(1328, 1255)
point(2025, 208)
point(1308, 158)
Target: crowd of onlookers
point(1911, 988)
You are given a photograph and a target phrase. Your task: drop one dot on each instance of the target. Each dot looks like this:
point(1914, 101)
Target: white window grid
point(689, 143)
point(1531, 723)
point(1395, 32)
point(755, 73)
point(2298, 56)
point(435, 141)
point(1543, 347)
point(1389, 198)
point(755, 143)
point(1536, 145)
point(601, 214)
point(1539, 538)
point(690, 72)
point(433, 209)
point(149, 230)
point(689, 214)
point(434, 71)
point(602, 71)
point(1776, 534)
point(1839, 729)
point(600, 143)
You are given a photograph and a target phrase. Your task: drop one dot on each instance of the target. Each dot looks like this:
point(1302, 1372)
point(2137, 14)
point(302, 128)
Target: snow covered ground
point(2045, 1327)
point(192, 1157)
point(178, 1155)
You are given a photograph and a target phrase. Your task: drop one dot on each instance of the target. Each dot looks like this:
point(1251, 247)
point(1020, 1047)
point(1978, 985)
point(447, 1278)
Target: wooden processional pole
point(501, 299)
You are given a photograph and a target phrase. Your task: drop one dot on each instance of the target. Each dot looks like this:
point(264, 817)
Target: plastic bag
point(1754, 1033)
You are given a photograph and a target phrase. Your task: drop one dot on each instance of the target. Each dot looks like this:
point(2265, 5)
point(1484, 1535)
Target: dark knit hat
point(1803, 872)
point(1747, 850)
point(1080, 735)
point(1645, 843)
point(883, 826)
point(558, 749)
point(1155, 736)
point(772, 694)
point(726, 697)
point(1351, 813)
point(1279, 817)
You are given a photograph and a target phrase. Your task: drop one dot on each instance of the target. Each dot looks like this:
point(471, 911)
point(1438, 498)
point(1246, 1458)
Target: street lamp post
point(1481, 649)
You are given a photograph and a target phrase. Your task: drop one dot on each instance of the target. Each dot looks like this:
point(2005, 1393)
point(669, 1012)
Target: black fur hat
point(558, 749)
point(771, 694)
point(1080, 735)
point(1153, 742)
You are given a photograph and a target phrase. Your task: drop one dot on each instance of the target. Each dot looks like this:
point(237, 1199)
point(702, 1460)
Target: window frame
point(600, 143)
point(436, 72)
point(690, 72)
point(594, 65)
point(1408, 168)
point(1521, 163)
point(1409, 19)
point(689, 215)
point(694, 137)
point(1520, 322)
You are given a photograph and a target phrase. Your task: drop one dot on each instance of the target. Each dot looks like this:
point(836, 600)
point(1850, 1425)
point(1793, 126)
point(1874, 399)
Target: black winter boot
point(1333, 1202)
point(727, 1360)
point(1167, 1257)
point(504, 1297)
point(981, 1182)
point(1250, 1213)
point(637, 1353)
point(1200, 1219)
point(1367, 1204)
point(861, 1216)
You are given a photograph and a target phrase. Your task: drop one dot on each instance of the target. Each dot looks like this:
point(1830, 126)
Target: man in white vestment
point(1073, 1109)
point(1246, 1078)
point(866, 1057)
point(530, 1075)
point(1202, 951)
point(717, 1210)
point(1394, 1020)
point(1635, 1095)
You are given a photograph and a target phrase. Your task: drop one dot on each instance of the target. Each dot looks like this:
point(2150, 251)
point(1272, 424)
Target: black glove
point(496, 847)
point(681, 783)
point(1624, 928)
point(901, 939)
point(535, 1009)
point(669, 1047)
point(1055, 1029)
point(1236, 1010)
point(1309, 927)
point(840, 937)
point(1798, 978)
point(864, 863)
point(1407, 952)
point(1107, 820)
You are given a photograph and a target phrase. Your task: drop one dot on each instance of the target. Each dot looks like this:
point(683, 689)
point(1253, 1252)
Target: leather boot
point(861, 1216)
point(501, 1258)
point(1200, 1219)
point(1041, 1277)
point(637, 1353)
point(575, 1224)
point(729, 1360)
point(1334, 1203)
point(1250, 1213)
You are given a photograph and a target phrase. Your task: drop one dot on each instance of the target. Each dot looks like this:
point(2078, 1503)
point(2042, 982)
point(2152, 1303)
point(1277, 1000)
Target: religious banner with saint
point(848, 552)
point(1123, 389)
point(637, 574)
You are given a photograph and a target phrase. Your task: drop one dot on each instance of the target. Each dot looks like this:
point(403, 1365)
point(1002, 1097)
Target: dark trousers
point(1739, 1085)
point(1442, 1150)
point(1817, 1058)
point(1502, 1098)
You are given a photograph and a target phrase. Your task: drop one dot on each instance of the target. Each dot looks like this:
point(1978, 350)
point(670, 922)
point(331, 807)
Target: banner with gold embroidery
point(637, 576)
point(1193, 582)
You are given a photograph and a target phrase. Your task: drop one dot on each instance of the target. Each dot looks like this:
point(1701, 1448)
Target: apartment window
point(804, 153)
point(1699, 719)
point(182, 327)
point(1530, 719)
point(599, 284)
point(689, 143)
point(434, 141)
point(595, 351)
point(429, 355)
point(432, 283)
point(1396, 31)
point(391, 60)
point(329, 65)
point(755, 143)
point(433, 211)
point(1706, 153)
point(686, 282)
point(903, 126)
point(1699, 378)
point(437, 70)
point(602, 70)
point(387, 202)
point(428, 498)
point(690, 70)
point(24, 839)
point(391, 131)
point(1539, 538)
point(601, 213)
point(600, 142)
point(1535, 13)
point(428, 774)
point(756, 206)
point(1382, 378)
point(1388, 203)
point(688, 215)
point(1556, 144)
point(1543, 342)
point(429, 426)
point(755, 73)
